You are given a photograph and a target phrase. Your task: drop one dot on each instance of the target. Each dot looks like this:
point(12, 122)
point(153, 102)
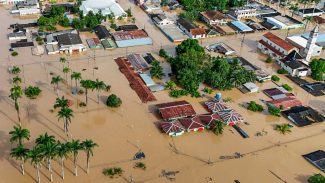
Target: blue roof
point(241, 26)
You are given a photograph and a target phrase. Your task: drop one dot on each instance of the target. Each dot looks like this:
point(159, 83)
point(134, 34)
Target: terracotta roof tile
point(278, 41)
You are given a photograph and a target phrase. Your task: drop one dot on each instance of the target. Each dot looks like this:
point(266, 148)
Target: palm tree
point(76, 76)
point(55, 81)
point(156, 70)
point(87, 84)
point(294, 8)
point(16, 80)
point(99, 85)
point(49, 150)
point(19, 134)
point(283, 129)
point(62, 152)
point(63, 60)
point(61, 102)
point(308, 19)
point(36, 156)
point(74, 147)
point(44, 139)
point(218, 127)
point(20, 153)
point(65, 113)
point(15, 94)
point(88, 146)
point(15, 70)
point(66, 70)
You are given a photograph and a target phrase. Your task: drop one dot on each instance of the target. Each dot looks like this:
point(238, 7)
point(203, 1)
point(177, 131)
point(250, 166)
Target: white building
point(107, 7)
point(214, 17)
point(17, 36)
point(251, 87)
point(293, 63)
point(10, 1)
point(243, 12)
point(190, 29)
point(310, 12)
point(27, 7)
point(161, 19)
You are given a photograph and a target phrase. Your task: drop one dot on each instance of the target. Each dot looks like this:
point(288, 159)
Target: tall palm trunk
point(22, 168)
point(50, 169)
point(77, 86)
point(98, 96)
point(62, 168)
point(75, 164)
point(88, 161)
point(17, 109)
point(38, 174)
point(87, 96)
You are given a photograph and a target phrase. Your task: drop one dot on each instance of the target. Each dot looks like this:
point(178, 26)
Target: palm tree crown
point(87, 84)
point(66, 114)
point(19, 134)
point(44, 139)
point(61, 102)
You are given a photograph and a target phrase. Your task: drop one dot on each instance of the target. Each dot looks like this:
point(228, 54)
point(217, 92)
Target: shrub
point(317, 178)
point(113, 101)
point(178, 93)
point(227, 99)
point(14, 53)
point(253, 106)
point(163, 53)
point(274, 111)
point(32, 92)
point(207, 90)
point(195, 94)
point(287, 87)
point(108, 87)
point(275, 78)
point(268, 59)
point(111, 172)
point(140, 165)
point(282, 71)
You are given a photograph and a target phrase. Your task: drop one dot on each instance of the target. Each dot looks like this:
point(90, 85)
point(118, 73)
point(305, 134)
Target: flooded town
point(188, 91)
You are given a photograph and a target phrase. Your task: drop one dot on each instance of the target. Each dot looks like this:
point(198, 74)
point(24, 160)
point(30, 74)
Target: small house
point(175, 110)
point(214, 17)
point(303, 116)
point(243, 12)
point(94, 43)
point(230, 117)
point(209, 119)
point(309, 12)
point(161, 19)
point(101, 32)
point(192, 124)
point(251, 87)
point(190, 29)
point(285, 103)
point(173, 128)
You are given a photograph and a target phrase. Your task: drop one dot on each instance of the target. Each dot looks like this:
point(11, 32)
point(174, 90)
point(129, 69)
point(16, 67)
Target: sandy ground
point(121, 132)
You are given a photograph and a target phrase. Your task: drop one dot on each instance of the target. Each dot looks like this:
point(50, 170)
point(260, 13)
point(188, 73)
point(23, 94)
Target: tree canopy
point(317, 67)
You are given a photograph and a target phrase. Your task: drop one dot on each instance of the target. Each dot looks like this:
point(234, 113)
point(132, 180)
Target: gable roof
point(213, 15)
point(198, 31)
point(172, 127)
point(192, 123)
point(186, 24)
point(208, 119)
point(230, 116)
point(69, 39)
point(278, 41)
point(101, 32)
point(216, 106)
point(176, 109)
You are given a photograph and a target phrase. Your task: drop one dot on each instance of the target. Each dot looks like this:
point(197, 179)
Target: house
point(303, 116)
point(221, 48)
point(262, 75)
point(243, 12)
point(251, 87)
point(230, 117)
point(20, 44)
point(274, 46)
point(175, 110)
point(131, 38)
point(309, 12)
point(128, 27)
point(161, 19)
point(215, 106)
point(317, 158)
point(276, 93)
point(101, 32)
point(284, 22)
point(240, 27)
point(151, 6)
point(27, 7)
point(190, 29)
point(173, 128)
point(70, 43)
point(293, 63)
point(173, 32)
point(192, 124)
point(209, 119)
point(149, 58)
point(17, 36)
point(285, 103)
point(214, 17)
point(94, 43)
point(10, 1)
point(137, 62)
point(106, 7)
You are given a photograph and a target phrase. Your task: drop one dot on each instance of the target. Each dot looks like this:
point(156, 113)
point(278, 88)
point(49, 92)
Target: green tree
point(170, 85)
point(74, 147)
point(163, 53)
point(77, 77)
point(36, 157)
point(44, 139)
point(113, 101)
point(32, 92)
point(64, 22)
point(61, 103)
point(15, 70)
point(87, 85)
point(128, 12)
point(63, 60)
point(18, 134)
point(275, 78)
point(283, 128)
point(269, 59)
point(274, 110)
point(218, 127)
point(55, 82)
point(99, 86)
point(16, 80)
point(156, 70)
point(49, 150)
point(66, 70)
point(317, 178)
point(294, 8)
point(189, 45)
point(62, 151)
point(20, 153)
point(253, 106)
point(317, 67)
point(78, 23)
point(15, 94)
point(88, 146)
point(308, 19)
point(66, 114)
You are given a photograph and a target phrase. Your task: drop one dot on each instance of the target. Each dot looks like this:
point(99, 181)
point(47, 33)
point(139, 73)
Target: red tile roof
point(287, 102)
point(177, 109)
point(271, 48)
point(214, 15)
point(208, 119)
point(278, 41)
point(198, 31)
point(172, 127)
point(193, 123)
